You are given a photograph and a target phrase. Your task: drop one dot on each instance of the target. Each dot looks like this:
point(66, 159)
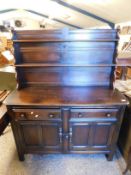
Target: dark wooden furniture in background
point(4, 118)
point(124, 141)
point(65, 102)
point(128, 166)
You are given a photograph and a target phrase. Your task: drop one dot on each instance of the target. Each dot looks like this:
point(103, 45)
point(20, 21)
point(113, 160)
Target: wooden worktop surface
point(65, 96)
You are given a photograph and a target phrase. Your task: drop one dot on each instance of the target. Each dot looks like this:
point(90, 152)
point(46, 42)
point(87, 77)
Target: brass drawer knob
point(31, 112)
point(36, 116)
point(123, 100)
point(108, 115)
point(80, 115)
point(22, 115)
point(66, 137)
point(51, 116)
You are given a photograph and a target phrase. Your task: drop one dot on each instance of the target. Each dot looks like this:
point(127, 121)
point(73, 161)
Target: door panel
point(31, 135)
point(46, 136)
point(103, 133)
point(52, 135)
point(91, 135)
point(79, 135)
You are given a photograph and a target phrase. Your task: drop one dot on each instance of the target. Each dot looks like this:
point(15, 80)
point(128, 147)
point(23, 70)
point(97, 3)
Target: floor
point(55, 164)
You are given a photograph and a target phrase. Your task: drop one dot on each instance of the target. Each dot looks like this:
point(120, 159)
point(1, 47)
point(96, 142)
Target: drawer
point(94, 113)
point(37, 114)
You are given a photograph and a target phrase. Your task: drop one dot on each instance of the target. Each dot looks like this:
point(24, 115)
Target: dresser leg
point(128, 167)
point(21, 157)
point(125, 170)
point(109, 156)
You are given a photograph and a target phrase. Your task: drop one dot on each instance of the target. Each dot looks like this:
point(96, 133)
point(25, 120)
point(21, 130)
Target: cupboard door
point(103, 134)
point(91, 136)
point(79, 136)
point(52, 136)
point(31, 134)
point(41, 136)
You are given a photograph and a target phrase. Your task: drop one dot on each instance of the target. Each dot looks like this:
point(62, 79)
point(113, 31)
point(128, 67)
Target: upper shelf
point(65, 35)
point(60, 40)
point(67, 65)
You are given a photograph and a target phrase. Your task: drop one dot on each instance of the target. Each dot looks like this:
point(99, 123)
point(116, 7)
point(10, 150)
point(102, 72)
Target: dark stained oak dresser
point(65, 101)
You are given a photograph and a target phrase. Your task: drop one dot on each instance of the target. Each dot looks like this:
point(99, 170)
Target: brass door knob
point(22, 115)
point(80, 115)
point(51, 116)
point(66, 136)
point(36, 116)
point(108, 115)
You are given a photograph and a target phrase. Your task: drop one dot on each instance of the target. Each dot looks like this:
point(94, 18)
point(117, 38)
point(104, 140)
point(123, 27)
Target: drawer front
point(94, 113)
point(37, 114)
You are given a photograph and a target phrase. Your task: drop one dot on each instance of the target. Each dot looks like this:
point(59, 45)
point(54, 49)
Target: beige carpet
point(55, 164)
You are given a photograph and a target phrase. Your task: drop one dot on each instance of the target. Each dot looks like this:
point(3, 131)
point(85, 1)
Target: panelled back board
point(79, 58)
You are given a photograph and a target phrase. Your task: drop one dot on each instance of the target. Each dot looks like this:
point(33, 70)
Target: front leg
point(109, 156)
point(21, 156)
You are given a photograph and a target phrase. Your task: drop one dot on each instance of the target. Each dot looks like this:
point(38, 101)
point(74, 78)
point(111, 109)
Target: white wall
point(28, 24)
